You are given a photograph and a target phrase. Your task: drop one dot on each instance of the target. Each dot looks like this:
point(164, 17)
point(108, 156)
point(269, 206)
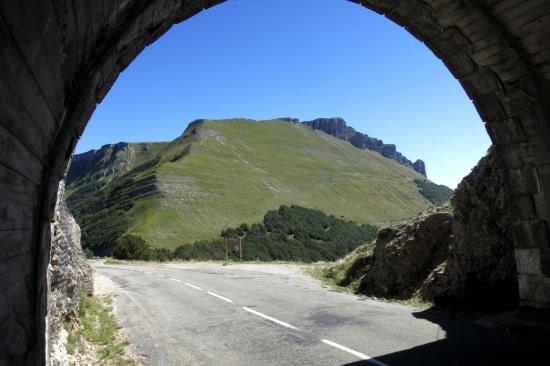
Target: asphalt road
point(257, 315)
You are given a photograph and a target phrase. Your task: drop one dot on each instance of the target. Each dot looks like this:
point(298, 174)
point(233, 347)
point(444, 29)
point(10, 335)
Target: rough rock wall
point(406, 254)
point(68, 274)
point(481, 266)
point(466, 256)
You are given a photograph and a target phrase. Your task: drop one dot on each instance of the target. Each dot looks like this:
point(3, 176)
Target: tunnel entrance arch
point(59, 59)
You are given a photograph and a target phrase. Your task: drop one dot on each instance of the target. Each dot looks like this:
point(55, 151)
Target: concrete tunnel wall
point(59, 58)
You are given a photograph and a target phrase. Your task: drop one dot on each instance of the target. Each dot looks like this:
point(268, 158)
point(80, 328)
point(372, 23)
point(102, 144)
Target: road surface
point(208, 314)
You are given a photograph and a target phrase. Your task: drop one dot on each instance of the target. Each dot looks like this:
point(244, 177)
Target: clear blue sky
point(263, 59)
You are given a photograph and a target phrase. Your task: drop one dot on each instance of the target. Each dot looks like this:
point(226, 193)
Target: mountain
point(222, 173)
point(338, 127)
point(100, 166)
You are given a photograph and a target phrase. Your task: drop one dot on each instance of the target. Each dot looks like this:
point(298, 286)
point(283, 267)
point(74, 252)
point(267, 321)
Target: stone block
point(508, 131)
point(522, 181)
point(545, 261)
point(379, 6)
point(534, 128)
point(450, 42)
point(534, 291)
point(15, 242)
point(542, 204)
point(15, 270)
point(528, 261)
point(17, 351)
point(17, 187)
point(530, 234)
point(488, 105)
point(536, 153)
point(412, 9)
point(544, 177)
point(511, 156)
point(524, 207)
point(18, 158)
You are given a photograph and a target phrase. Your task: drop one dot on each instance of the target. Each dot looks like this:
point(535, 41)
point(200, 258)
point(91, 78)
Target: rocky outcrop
point(337, 127)
point(69, 274)
point(481, 266)
point(464, 256)
point(111, 159)
point(405, 255)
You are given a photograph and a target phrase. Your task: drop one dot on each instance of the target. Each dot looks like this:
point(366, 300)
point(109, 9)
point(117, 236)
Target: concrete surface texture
point(209, 314)
point(59, 58)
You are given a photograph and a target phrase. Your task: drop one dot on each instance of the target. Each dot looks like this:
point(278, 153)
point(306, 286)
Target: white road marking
point(193, 286)
point(161, 275)
point(269, 318)
point(355, 353)
point(148, 272)
point(175, 279)
point(220, 297)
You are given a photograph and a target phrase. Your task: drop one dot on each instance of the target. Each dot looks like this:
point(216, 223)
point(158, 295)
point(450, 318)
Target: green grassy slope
point(222, 173)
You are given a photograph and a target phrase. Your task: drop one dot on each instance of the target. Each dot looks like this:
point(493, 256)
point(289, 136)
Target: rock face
point(405, 255)
point(69, 274)
point(481, 266)
point(109, 160)
point(461, 257)
point(337, 127)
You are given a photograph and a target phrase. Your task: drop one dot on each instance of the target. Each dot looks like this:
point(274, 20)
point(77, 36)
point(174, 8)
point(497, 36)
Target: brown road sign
point(234, 244)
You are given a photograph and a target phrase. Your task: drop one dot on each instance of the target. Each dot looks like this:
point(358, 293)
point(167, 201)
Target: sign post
point(234, 245)
point(226, 254)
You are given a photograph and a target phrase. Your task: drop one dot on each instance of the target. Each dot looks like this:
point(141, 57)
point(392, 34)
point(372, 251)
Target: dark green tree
point(132, 247)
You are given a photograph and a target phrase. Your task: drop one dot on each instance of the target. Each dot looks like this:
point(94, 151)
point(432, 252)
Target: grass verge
point(97, 337)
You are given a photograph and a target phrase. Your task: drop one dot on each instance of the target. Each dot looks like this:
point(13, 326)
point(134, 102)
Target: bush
point(89, 254)
point(290, 234)
point(132, 247)
point(161, 254)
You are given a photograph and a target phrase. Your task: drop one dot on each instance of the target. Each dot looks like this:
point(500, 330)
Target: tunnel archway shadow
point(468, 344)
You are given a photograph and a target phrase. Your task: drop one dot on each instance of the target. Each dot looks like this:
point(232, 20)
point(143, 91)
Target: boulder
point(405, 254)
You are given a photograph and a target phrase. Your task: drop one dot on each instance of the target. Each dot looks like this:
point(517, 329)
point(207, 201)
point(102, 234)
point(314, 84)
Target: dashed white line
point(355, 353)
point(269, 318)
point(163, 276)
point(220, 297)
point(174, 279)
point(148, 273)
point(193, 286)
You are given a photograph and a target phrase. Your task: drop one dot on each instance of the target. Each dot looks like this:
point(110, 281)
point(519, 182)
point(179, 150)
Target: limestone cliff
point(68, 275)
point(104, 164)
point(337, 127)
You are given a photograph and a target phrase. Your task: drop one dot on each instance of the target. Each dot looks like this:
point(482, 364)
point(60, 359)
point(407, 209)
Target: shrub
point(89, 254)
point(132, 247)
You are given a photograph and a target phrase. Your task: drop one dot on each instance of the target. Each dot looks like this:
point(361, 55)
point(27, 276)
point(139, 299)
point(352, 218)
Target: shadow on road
point(467, 344)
